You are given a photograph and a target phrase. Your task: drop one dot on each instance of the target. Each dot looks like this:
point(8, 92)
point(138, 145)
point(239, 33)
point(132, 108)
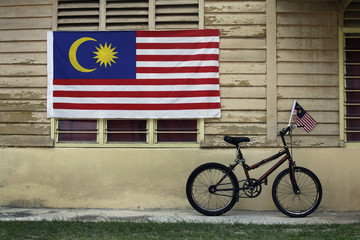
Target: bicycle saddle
point(236, 140)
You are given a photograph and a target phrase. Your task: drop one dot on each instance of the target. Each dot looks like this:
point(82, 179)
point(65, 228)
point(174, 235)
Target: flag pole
point(292, 112)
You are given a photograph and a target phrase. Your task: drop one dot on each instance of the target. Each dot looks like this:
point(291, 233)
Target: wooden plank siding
point(306, 62)
point(23, 26)
point(307, 65)
point(242, 27)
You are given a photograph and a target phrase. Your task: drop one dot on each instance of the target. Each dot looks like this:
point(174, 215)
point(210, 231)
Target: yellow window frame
point(150, 138)
point(342, 90)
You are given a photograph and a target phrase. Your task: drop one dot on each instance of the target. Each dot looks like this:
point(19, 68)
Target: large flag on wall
point(133, 74)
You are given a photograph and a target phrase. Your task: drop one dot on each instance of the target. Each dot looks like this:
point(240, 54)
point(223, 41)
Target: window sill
point(128, 145)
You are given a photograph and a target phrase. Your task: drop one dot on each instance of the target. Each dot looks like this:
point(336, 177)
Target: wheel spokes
point(218, 198)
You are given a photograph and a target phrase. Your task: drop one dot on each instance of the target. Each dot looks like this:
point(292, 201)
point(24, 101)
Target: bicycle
point(213, 189)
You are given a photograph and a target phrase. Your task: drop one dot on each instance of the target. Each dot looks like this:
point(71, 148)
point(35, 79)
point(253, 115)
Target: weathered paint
point(306, 68)
point(156, 178)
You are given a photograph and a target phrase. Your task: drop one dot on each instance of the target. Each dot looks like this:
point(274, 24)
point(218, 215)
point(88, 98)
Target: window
point(77, 131)
point(126, 131)
point(176, 131)
point(117, 133)
point(93, 15)
point(352, 86)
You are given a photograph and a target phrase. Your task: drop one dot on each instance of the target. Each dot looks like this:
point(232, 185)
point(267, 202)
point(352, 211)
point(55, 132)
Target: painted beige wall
point(155, 178)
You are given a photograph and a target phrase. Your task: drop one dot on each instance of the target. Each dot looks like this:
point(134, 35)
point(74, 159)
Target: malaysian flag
point(133, 74)
point(303, 119)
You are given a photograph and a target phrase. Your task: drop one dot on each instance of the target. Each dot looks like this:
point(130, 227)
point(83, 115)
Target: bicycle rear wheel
point(297, 204)
point(203, 193)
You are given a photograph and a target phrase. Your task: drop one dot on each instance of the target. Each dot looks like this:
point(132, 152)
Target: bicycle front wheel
point(211, 189)
point(298, 204)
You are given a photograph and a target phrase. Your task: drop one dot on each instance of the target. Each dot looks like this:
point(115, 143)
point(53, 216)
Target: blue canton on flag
point(96, 56)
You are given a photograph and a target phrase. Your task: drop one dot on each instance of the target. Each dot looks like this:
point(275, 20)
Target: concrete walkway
point(245, 217)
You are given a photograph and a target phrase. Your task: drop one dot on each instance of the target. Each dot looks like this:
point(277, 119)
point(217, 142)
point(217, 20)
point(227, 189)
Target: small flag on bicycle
point(303, 119)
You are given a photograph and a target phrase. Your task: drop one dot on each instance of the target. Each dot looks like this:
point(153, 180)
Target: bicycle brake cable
point(291, 144)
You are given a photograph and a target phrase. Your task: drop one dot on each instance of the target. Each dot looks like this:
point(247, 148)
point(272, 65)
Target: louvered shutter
point(127, 14)
point(78, 15)
point(177, 14)
point(352, 15)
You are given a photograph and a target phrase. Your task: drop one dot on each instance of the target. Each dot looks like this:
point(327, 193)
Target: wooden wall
point(307, 61)
point(242, 69)
point(23, 26)
point(306, 69)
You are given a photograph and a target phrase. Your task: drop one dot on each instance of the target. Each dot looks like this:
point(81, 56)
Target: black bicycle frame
point(269, 159)
point(263, 178)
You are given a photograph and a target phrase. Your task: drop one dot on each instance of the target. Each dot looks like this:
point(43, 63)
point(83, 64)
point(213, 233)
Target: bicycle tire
point(297, 204)
point(198, 189)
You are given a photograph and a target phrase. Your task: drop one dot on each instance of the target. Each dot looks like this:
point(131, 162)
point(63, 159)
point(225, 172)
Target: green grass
point(149, 230)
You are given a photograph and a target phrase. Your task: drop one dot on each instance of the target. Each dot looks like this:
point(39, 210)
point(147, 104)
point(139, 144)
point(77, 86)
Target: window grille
point(352, 86)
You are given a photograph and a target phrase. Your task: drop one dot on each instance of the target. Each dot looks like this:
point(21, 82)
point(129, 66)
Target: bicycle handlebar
point(285, 130)
point(288, 128)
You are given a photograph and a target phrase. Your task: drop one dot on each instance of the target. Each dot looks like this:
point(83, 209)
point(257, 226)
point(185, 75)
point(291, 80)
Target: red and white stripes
point(306, 121)
point(185, 66)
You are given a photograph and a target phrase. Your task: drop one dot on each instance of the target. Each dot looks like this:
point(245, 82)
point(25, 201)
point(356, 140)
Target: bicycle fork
point(292, 166)
point(294, 184)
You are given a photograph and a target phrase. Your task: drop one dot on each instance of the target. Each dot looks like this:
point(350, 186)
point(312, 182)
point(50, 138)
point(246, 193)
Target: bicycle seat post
point(236, 141)
point(240, 157)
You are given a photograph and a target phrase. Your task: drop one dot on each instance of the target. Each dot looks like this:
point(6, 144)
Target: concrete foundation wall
point(155, 178)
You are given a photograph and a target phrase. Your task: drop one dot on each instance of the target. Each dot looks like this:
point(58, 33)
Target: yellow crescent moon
point(72, 54)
